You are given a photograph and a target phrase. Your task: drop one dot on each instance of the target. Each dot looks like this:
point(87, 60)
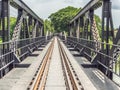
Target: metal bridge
point(81, 60)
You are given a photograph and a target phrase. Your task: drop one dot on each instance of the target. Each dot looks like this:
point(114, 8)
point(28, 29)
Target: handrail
point(97, 42)
point(112, 59)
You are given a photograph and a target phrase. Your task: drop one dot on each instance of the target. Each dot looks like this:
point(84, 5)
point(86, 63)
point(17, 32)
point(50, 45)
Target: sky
point(44, 8)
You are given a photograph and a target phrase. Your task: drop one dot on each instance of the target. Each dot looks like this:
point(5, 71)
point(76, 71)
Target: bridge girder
point(93, 4)
point(89, 31)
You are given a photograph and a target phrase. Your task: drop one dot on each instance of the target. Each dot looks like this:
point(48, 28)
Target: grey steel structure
point(85, 37)
point(28, 34)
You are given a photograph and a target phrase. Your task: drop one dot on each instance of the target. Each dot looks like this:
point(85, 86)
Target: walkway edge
point(26, 78)
point(85, 81)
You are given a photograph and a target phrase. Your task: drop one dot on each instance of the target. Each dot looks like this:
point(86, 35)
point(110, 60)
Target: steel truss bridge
point(83, 36)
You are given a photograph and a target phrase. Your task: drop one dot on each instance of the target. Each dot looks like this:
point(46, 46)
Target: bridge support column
point(30, 24)
point(78, 29)
point(86, 27)
point(69, 27)
point(38, 30)
point(71, 30)
point(81, 26)
point(5, 26)
point(34, 28)
point(25, 26)
point(91, 14)
point(42, 30)
point(5, 15)
point(74, 29)
point(106, 18)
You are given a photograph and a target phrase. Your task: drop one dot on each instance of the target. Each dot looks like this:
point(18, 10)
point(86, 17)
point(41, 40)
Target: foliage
point(48, 26)
point(12, 25)
point(61, 18)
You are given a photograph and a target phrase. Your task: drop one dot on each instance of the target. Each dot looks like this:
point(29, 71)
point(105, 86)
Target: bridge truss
point(28, 34)
point(85, 37)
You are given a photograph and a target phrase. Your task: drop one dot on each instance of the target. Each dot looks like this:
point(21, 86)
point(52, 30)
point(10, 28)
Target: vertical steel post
point(91, 14)
point(5, 15)
point(86, 28)
point(43, 30)
point(5, 18)
point(30, 24)
point(69, 28)
point(37, 30)
point(34, 32)
point(106, 13)
point(20, 13)
point(111, 21)
point(81, 26)
point(0, 13)
point(105, 21)
point(24, 36)
point(74, 28)
point(26, 28)
point(78, 28)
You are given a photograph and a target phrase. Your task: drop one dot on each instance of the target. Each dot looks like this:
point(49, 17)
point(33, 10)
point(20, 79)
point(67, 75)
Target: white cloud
point(116, 4)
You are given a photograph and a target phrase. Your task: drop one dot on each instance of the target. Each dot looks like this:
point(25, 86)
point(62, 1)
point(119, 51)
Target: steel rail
point(73, 83)
point(40, 79)
point(71, 80)
point(45, 74)
point(66, 76)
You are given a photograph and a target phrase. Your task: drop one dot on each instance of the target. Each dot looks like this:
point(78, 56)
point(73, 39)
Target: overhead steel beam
point(0, 8)
point(93, 4)
point(20, 4)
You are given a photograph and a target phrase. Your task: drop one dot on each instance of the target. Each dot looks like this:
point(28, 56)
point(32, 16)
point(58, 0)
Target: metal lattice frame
point(93, 34)
point(27, 35)
point(96, 36)
point(16, 32)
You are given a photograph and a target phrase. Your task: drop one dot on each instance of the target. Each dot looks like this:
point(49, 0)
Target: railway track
point(70, 77)
point(39, 81)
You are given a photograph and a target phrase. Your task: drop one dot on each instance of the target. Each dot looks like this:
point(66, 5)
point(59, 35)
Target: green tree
point(12, 25)
point(48, 26)
point(61, 18)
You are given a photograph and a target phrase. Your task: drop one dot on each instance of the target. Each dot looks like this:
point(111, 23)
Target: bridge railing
point(109, 63)
point(18, 51)
point(25, 46)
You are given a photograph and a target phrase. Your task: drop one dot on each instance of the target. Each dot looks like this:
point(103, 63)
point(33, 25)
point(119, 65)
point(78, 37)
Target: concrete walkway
point(55, 79)
point(20, 77)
